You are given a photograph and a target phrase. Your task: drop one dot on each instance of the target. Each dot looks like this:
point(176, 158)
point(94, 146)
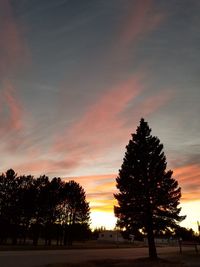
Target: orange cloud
point(96, 184)
point(188, 177)
point(190, 196)
point(99, 190)
point(102, 205)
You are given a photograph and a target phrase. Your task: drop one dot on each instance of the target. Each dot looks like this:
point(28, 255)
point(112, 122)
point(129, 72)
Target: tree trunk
point(150, 236)
point(151, 243)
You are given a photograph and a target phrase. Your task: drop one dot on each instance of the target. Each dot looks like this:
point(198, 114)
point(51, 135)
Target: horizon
point(77, 76)
point(102, 209)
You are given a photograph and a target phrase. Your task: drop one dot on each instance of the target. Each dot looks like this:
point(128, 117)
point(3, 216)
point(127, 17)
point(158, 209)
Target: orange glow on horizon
point(102, 187)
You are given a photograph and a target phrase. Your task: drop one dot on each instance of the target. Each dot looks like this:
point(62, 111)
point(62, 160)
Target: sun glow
point(108, 220)
point(103, 219)
point(192, 211)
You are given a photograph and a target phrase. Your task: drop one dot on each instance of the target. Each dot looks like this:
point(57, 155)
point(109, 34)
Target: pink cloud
point(13, 53)
point(12, 46)
point(11, 110)
point(106, 124)
point(141, 20)
point(152, 104)
point(15, 120)
point(101, 125)
point(44, 166)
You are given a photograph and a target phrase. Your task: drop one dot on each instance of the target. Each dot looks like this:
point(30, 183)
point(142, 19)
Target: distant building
point(111, 236)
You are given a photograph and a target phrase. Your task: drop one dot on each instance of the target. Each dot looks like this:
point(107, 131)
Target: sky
point(76, 76)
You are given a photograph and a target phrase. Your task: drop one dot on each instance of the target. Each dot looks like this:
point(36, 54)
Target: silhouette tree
point(53, 210)
point(10, 203)
point(41, 208)
point(149, 196)
point(75, 209)
point(185, 234)
point(26, 203)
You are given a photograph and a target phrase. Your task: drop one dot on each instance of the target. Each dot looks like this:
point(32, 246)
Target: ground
point(109, 257)
point(188, 259)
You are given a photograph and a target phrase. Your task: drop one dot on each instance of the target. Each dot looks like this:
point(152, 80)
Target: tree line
point(40, 208)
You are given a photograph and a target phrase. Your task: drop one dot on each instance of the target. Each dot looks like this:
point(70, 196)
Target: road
point(41, 258)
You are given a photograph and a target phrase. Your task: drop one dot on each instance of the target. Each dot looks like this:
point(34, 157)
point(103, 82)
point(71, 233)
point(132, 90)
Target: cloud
point(190, 196)
point(106, 124)
point(99, 190)
point(13, 51)
point(15, 116)
point(11, 117)
point(45, 166)
point(101, 126)
point(95, 184)
point(141, 20)
point(188, 177)
point(151, 104)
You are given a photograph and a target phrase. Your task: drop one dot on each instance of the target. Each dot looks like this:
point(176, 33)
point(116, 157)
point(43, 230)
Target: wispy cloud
point(14, 56)
point(13, 50)
point(141, 20)
point(99, 189)
point(188, 177)
point(104, 124)
point(11, 118)
point(11, 112)
point(15, 113)
point(101, 123)
point(45, 166)
point(152, 103)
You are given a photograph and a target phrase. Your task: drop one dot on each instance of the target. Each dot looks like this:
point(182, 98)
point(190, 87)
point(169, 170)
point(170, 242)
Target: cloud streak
point(142, 19)
point(188, 177)
point(14, 55)
point(11, 110)
point(101, 123)
point(14, 52)
point(15, 120)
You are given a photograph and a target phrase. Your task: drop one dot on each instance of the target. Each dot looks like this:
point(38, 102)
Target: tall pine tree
point(149, 196)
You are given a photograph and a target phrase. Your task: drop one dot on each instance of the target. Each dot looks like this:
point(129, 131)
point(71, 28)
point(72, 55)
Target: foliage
point(186, 234)
point(148, 195)
point(36, 208)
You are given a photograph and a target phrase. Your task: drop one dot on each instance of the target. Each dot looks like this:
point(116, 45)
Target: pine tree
point(149, 196)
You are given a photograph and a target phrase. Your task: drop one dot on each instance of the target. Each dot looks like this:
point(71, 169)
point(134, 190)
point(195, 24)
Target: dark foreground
point(57, 258)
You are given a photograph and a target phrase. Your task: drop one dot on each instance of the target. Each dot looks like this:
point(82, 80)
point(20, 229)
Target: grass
point(76, 245)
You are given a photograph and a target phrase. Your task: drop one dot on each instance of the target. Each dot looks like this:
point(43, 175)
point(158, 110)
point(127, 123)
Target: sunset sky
point(76, 76)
